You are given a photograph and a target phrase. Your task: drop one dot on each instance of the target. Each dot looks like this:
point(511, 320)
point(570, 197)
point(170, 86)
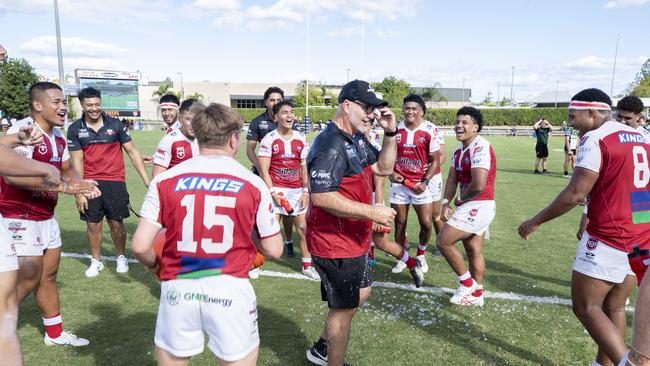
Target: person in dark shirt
point(341, 164)
point(542, 129)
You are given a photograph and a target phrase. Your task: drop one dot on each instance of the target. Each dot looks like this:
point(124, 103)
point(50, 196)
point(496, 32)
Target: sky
point(564, 45)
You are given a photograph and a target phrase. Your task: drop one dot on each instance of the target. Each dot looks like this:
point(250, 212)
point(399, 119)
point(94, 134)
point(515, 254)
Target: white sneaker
point(311, 273)
point(94, 268)
point(472, 301)
point(254, 273)
point(423, 263)
point(122, 264)
point(462, 292)
point(399, 267)
point(65, 339)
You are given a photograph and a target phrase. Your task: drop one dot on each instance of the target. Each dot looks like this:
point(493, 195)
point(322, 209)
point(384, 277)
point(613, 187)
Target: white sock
point(464, 276)
point(595, 363)
point(405, 257)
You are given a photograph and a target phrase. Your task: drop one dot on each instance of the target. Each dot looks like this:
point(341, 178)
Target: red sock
point(306, 263)
point(422, 249)
point(53, 326)
point(411, 263)
point(371, 252)
point(468, 282)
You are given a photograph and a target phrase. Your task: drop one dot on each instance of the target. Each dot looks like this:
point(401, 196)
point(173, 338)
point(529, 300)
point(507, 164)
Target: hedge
point(445, 116)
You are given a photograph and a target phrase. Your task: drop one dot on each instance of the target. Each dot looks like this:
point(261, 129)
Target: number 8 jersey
point(209, 205)
point(619, 206)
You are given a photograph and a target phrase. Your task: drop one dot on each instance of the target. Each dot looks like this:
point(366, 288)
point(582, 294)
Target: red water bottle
point(639, 261)
point(383, 229)
point(285, 204)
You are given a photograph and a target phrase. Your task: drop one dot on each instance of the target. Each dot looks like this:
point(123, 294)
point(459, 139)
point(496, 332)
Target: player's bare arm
point(263, 166)
point(304, 179)
point(434, 163)
point(157, 169)
point(479, 180)
point(450, 191)
point(77, 161)
point(136, 160)
point(338, 205)
point(581, 184)
point(142, 244)
point(26, 136)
point(16, 165)
point(270, 247)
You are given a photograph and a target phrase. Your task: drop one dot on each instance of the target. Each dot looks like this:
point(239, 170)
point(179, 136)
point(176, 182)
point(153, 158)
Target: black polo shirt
point(261, 125)
point(339, 162)
point(102, 149)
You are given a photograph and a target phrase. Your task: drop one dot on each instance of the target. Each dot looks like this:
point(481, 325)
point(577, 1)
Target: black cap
point(362, 91)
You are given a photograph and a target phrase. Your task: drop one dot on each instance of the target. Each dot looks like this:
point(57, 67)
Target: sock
point(421, 249)
point(478, 292)
point(53, 326)
point(566, 173)
point(289, 242)
point(306, 263)
point(466, 279)
point(406, 258)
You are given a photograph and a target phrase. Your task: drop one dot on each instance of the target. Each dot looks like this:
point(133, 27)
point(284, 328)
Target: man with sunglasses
point(630, 111)
point(341, 164)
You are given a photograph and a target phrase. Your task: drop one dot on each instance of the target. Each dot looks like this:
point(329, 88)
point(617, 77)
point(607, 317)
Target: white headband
point(168, 105)
point(579, 105)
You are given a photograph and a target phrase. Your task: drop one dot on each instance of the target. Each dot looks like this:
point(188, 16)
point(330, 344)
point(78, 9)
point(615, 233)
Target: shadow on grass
point(283, 337)
point(509, 276)
point(530, 172)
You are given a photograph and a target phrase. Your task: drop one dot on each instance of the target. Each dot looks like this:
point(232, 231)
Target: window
point(245, 103)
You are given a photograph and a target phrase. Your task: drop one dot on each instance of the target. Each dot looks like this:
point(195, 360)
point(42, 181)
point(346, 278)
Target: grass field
point(397, 327)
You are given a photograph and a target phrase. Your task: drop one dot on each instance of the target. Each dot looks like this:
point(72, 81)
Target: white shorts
point(8, 257)
point(223, 306)
point(293, 195)
point(32, 238)
point(399, 194)
point(473, 216)
point(598, 260)
point(435, 187)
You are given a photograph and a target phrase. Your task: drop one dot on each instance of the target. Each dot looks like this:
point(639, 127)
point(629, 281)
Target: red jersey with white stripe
point(210, 205)
point(479, 154)
point(375, 139)
point(414, 148)
point(174, 148)
point(18, 203)
point(619, 204)
point(286, 157)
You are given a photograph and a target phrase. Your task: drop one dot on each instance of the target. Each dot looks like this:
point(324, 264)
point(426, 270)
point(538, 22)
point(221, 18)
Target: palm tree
point(198, 96)
point(164, 88)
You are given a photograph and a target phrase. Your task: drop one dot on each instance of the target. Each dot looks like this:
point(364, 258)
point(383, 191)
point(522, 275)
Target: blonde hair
point(213, 125)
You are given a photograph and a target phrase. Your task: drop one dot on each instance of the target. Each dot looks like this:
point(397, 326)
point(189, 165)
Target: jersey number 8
point(210, 219)
point(641, 168)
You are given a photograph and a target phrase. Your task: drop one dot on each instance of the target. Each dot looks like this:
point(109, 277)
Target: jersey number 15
point(210, 219)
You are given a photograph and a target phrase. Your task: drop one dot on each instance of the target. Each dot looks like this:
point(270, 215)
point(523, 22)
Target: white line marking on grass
point(511, 296)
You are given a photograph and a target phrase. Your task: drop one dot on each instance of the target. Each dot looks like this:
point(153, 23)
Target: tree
point(198, 96)
point(72, 114)
point(394, 90)
point(16, 76)
point(643, 89)
point(433, 94)
point(488, 99)
point(164, 88)
point(505, 102)
point(640, 77)
point(317, 95)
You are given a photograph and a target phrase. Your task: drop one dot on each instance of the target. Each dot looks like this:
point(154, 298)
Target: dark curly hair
point(630, 104)
point(593, 95)
point(271, 90)
point(417, 99)
point(279, 105)
point(476, 115)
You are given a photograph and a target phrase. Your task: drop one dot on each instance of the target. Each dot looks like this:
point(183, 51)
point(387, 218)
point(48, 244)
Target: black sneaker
point(317, 354)
point(288, 249)
point(537, 172)
point(544, 171)
point(418, 276)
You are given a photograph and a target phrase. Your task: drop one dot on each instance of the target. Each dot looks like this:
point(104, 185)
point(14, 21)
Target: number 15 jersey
point(209, 205)
point(619, 205)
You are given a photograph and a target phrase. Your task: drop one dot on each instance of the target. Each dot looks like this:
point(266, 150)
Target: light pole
point(182, 87)
point(498, 94)
point(463, 91)
point(611, 90)
point(59, 52)
point(348, 75)
point(363, 43)
point(557, 85)
point(512, 85)
point(307, 78)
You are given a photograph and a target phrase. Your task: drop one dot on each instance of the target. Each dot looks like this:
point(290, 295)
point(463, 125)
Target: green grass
point(117, 313)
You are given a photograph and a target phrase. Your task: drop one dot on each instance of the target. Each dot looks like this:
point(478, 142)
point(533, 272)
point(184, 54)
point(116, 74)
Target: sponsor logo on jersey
point(173, 296)
point(276, 148)
point(110, 132)
point(83, 133)
point(322, 174)
point(15, 226)
point(398, 138)
point(180, 152)
point(473, 212)
point(208, 184)
point(592, 243)
point(421, 140)
point(630, 137)
point(193, 296)
point(477, 149)
point(299, 148)
point(55, 159)
point(42, 149)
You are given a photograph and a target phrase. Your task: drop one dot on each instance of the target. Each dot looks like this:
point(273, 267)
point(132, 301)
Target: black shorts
point(113, 203)
point(541, 150)
point(341, 280)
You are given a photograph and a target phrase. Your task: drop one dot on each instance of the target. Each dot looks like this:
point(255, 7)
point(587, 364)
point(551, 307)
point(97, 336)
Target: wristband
point(390, 134)
point(272, 190)
point(425, 181)
point(305, 190)
point(445, 202)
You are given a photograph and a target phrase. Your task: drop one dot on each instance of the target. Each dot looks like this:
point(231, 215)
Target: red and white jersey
point(414, 147)
point(286, 157)
point(375, 139)
point(173, 127)
point(441, 143)
point(644, 133)
point(479, 154)
point(619, 202)
point(18, 203)
point(174, 148)
point(209, 205)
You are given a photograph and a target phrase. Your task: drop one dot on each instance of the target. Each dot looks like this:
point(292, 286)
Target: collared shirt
point(261, 125)
point(102, 149)
point(339, 162)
